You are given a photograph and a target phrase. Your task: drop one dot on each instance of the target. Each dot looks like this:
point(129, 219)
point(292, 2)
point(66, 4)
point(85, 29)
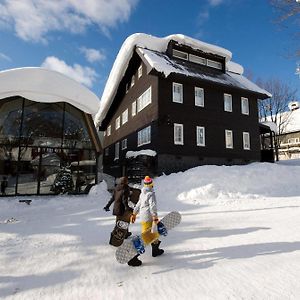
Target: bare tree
point(275, 109)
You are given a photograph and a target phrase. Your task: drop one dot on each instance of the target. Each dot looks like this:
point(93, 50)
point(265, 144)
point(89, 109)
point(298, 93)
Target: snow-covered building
point(46, 132)
point(181, 100)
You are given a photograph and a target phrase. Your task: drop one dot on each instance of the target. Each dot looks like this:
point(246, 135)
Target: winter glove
point(132, 218)
point(106, 208)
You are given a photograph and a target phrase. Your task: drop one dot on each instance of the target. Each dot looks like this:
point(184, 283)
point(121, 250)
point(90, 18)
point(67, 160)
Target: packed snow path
point(241, 246)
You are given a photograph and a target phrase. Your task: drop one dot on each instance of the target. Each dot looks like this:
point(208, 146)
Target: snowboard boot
point(134, 262)
point(155, 249)
point(128, 234)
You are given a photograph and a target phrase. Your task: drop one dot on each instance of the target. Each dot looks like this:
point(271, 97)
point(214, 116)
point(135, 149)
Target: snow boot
point(155, 249)
point(134, 262)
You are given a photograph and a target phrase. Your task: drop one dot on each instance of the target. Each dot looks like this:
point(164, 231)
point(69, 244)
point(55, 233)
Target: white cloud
point(33, 19)
point(215, 2)
point(93, 55)
point(4, 57)
point(84, 75)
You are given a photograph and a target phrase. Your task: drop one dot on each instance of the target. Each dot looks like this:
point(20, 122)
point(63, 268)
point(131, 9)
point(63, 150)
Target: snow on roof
point(293, 123)
point(271, 125)
point(148, 42)
point(147, 152)
point(42, 85)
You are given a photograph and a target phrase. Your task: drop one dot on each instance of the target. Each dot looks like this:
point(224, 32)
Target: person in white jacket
point(147, 209)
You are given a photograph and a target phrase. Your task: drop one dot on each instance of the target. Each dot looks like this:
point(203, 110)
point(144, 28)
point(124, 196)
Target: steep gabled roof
point(153, 49)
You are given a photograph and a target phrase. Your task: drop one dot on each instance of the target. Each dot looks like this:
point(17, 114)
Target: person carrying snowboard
point(121, 210)
point(147, 208)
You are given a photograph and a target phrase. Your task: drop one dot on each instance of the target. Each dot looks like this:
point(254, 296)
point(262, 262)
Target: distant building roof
point(153, 49)
point(43, 85)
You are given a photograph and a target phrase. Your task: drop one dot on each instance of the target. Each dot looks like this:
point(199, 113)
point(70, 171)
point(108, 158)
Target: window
point(109, 130)
point(117, 150)
point(200, 133)
point(125, 116)
point(144, 100)
point(214, 64)
point(178, 134)
point(117, 122)
point(124, 144)
point(104, 133)
point(106, 151)
point(140, 71)
point(246, 140)
point(180, 54)
point(144, 136)
point(229, 139)
point(132, 81)
point(245, 106)
point(133, 108)
point(177, 92)
point(293, 140)
point(197, 59)
point(199, 97)
point(228, 102)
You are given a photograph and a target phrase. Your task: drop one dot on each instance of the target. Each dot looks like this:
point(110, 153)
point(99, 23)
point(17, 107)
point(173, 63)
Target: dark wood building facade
point(196, 115)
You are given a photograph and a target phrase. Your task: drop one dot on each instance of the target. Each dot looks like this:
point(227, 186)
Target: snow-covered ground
point(239, 239)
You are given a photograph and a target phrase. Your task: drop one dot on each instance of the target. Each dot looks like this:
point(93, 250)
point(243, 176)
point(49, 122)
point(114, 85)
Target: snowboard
point(136, 244)
point(119, 233)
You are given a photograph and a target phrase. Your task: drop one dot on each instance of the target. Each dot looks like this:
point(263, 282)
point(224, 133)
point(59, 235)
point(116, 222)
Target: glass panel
point(42, 124)
point(75, 131)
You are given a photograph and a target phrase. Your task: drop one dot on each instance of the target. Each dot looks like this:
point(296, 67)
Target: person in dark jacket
point(121, 210)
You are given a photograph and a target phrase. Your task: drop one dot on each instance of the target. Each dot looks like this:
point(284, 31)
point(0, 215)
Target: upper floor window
point(132, 81)
point(109, 130)
point(124, 116)
point(197, 59)
point(144, 136)
point(200, 133)
point(214, 64)
point(245, 106)
point(228, 102)
point(229, 139)
point(117, 150)
point(178, 134)
point(104, 133)
point(180, 54)
point(246, 140)
point(133, 108)
point(199, 96)
point(118, 122)
point(124, 144)
point(177, 92)
point(144, 100)
point(140, 71)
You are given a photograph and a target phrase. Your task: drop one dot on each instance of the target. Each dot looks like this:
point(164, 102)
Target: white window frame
point(125, 116)
point(132, 81)
point(199, 101)
point(118, 122)
point(180, 54)
point(294, 140)
point(178, 139)
point(228, 139)
point(109, 130)
point(144, 100)
point(214, 64)
point(200, 130)
point(124, 144)
point(246, 140)
point(117, 151)
point(133, 108)
point(144, 136)
point(140, 71)
point(227, 102)
point(245, 106)
point(197, 59)
point(175, 93)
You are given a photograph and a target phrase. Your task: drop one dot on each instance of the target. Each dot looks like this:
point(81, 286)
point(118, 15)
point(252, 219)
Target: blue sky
point(82, 38)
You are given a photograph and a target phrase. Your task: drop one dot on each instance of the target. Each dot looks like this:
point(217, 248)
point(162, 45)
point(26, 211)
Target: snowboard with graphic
point(136, 244)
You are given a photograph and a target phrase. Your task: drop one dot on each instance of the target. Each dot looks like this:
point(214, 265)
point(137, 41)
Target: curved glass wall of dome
point(45, 148)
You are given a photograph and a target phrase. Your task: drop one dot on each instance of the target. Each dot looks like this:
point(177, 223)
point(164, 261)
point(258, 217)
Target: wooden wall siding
point(284, 138)
point(212, 117)
point(146, 116)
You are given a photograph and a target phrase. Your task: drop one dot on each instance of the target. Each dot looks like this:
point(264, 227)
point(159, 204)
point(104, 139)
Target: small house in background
point(174, 103)
point(48, 141)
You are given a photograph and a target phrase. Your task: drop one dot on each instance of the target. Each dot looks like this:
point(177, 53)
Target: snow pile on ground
point(239, 239)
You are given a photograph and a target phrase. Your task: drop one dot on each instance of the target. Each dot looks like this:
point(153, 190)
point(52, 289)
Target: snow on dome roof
point(152, 43)
point(43, 85)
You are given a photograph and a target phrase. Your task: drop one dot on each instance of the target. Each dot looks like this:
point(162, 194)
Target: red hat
point(148, 180)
